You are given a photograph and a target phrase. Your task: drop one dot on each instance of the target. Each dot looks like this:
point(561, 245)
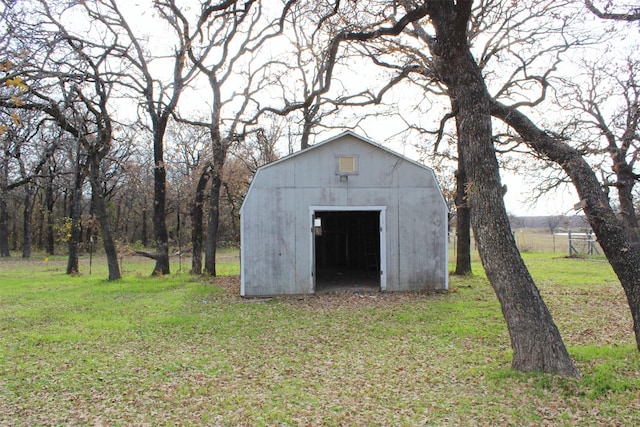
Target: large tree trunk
point(625, 183)
point(100, 210)
point(535, 339)
point(610, 232)
point(197, 216)
point(159, 206)
point(463, 221)
point(219, 148)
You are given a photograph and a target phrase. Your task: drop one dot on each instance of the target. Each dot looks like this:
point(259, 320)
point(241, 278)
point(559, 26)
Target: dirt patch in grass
point(229, 284)
point(321, 301)
point(355, 299)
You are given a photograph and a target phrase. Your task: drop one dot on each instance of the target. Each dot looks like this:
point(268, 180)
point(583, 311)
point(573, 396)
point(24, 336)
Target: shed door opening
point(347, 250)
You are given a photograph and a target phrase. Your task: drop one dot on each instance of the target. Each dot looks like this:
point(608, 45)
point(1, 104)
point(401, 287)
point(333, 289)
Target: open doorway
point(347, 250)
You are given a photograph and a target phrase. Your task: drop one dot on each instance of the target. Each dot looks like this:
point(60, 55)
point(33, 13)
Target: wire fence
point(569, 243)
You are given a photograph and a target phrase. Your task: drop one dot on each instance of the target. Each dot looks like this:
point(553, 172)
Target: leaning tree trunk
point(197, 216)
point(625, 183)
point(100, 210)
point(535, 339)
point(463, 221)
point(610, 232)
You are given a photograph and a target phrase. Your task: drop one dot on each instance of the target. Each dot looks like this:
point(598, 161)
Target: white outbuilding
point(344, 213)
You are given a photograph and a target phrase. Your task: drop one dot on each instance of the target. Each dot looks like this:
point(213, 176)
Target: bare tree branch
point(630, 15)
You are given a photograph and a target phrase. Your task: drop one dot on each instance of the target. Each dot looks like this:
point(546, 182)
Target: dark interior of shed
point(347, 250)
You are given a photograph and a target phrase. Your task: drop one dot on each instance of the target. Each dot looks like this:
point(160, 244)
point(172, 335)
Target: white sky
point(385, 128)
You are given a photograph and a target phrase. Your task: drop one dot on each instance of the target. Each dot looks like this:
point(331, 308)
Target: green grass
point(176, 350)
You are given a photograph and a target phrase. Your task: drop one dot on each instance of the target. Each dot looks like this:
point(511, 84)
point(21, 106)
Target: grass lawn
point(182, 351)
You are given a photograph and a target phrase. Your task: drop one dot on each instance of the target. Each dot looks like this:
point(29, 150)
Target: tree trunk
point(535, 339)
point(159, 206)
point(14, 237)
point(89, 232)
point(41, 229)
point(463, 221)
point(625, 183)
point(27, 221)
point(219, 148)
point(214, 220)
point(234, 213)
point(307, 127)
point(4, 214)
point(100, 210)
point(49, 201)
point(197, 216)
point(74, 227)
point(4, 228)
point(610, 232)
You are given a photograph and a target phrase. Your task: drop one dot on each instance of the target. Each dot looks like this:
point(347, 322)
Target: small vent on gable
point(347, 164)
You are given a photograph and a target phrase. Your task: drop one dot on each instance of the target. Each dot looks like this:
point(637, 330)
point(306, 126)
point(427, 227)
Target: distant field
point(538, 240)
point(178, 350)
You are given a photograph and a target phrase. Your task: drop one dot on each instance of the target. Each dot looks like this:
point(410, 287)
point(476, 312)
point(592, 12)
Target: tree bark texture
point(159, 204)
point(609, 231)
point(4, 214)
point(625, 181)
point(463, 221)
point(219, 151)
point(50, 226)
point(100, 210)
point(197, 216)
point(535, 339)
point(214, 220)
point(4, 228)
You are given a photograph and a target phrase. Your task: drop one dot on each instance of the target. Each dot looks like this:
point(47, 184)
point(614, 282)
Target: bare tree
point(225, 44)
point(553, 222)
point(554, 145)
point(535, 339)
point(602, 129)
point(73, 91)
point(614, 12)
point(190, 162)
point(25, 151)
point(158, 91)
